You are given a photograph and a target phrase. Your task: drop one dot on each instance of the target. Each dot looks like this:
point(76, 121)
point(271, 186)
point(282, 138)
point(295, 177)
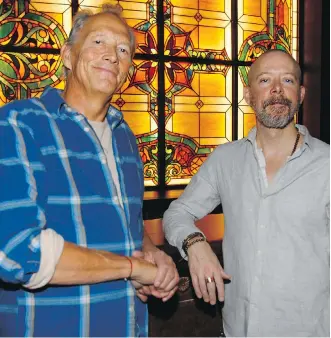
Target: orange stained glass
point(252, 18)
point(246, 116)
point(139, 14)
point(267, 24)
point(137, 99)
point(198, 28)
point(198, 116)
point(262, 25)
point(58, 10)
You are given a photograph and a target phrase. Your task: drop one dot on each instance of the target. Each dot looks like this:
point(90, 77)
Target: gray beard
point(276, 118)
point(275, 121)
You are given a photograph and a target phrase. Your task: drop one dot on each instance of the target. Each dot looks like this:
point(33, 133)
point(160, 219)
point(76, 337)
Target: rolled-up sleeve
point(22, 217)
point(199, 198)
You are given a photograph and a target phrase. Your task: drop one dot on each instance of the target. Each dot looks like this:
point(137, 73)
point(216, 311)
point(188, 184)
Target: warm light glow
point(200, 118)
point(198, 96)
point(262, 25)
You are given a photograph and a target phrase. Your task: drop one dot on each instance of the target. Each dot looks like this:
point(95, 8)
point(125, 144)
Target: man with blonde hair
point(74, 257)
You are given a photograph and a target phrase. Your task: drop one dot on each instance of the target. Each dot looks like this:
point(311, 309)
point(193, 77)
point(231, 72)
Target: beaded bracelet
point(192, 239)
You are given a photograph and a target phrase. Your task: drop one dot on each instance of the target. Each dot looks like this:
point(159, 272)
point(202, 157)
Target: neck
point(276, 142)
point(94, 107)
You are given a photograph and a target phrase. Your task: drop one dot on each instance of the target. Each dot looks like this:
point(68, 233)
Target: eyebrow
point(269, 73)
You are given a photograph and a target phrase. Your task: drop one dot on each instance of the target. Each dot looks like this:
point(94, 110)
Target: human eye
point(123, 50)
point(97, 39)
point(263, 80)
point(289, 80)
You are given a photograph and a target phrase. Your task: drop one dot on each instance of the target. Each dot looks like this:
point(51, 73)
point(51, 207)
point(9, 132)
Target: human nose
point(111, 55)
point(277, 87)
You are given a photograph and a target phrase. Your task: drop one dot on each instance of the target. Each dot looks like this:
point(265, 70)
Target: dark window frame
point(162, 188)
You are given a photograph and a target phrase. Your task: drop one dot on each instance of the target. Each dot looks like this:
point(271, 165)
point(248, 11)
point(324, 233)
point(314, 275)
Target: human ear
point(66, 56)
point(247, 95)
point(302, 93)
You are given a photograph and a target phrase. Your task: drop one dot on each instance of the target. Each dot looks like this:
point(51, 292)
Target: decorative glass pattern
point(262, 25)
point(24, 75)
point(137, 99)
point(196, 59)
point(197, 96)
point(40, 25)
point(246, 116)
point(196, 28)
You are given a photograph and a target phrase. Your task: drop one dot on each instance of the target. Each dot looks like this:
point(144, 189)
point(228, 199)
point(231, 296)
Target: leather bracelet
point(192, 239)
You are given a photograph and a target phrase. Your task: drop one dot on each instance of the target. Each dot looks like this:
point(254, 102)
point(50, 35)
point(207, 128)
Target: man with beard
point(274, 189)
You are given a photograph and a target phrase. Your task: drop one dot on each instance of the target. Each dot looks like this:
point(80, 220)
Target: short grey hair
point(82, 17)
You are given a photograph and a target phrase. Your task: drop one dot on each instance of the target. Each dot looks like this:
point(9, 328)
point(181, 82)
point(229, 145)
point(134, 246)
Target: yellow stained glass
point(59, 10)
point(198, 28)
point(137, 99)
point(252, 18)
point(198, 116)
point(267, 24)
point(262, 25)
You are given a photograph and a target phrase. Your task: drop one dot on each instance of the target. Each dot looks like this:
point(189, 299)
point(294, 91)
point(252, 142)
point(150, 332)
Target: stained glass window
point(31, 35)
point(184, 93)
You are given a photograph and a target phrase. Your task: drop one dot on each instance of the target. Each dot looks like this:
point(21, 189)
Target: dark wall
point(325, 69)
point(315, 61)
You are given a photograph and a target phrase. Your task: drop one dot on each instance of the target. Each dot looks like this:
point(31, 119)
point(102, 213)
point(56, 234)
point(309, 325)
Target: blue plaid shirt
point(54, 174)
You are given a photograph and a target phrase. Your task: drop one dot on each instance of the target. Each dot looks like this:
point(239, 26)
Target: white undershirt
point(51, 243)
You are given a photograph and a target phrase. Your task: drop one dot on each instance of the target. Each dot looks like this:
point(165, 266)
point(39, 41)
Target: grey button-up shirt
point(276, 240)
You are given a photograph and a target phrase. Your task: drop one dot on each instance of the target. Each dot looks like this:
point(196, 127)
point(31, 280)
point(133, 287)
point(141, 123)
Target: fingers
point(142, 296)
point(167, 276)
point(219, 284)
point(170, 294)
point(225, 275)
point(171, 279)
point(196, 286)
point(203, 287)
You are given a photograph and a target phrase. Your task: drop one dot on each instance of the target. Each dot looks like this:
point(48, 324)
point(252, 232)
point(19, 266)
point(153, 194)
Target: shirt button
point(104, 161)
point(259, 252)
point(262, 226)
point(87, 129)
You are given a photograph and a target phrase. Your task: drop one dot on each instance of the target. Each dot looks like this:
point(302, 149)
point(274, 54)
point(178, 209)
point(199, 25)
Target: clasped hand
point(166, 280)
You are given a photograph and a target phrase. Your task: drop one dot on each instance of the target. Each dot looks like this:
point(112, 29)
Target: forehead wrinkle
point(297, 70)
point(102, 27)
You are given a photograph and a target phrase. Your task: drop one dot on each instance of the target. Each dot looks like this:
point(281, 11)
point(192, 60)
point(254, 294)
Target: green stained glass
point(197, 93)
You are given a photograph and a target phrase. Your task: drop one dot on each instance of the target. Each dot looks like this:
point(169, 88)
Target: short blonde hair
point(82, 17)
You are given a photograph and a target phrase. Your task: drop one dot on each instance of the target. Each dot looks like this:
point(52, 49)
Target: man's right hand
point(204, 264)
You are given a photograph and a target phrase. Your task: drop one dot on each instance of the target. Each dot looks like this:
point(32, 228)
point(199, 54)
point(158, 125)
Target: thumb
point(138, 254)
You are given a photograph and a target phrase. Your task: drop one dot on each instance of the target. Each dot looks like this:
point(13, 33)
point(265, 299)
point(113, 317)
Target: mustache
point(277, 100)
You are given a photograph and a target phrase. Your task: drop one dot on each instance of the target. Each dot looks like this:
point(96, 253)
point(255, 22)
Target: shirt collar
point(54, 103)
point(251, 137)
